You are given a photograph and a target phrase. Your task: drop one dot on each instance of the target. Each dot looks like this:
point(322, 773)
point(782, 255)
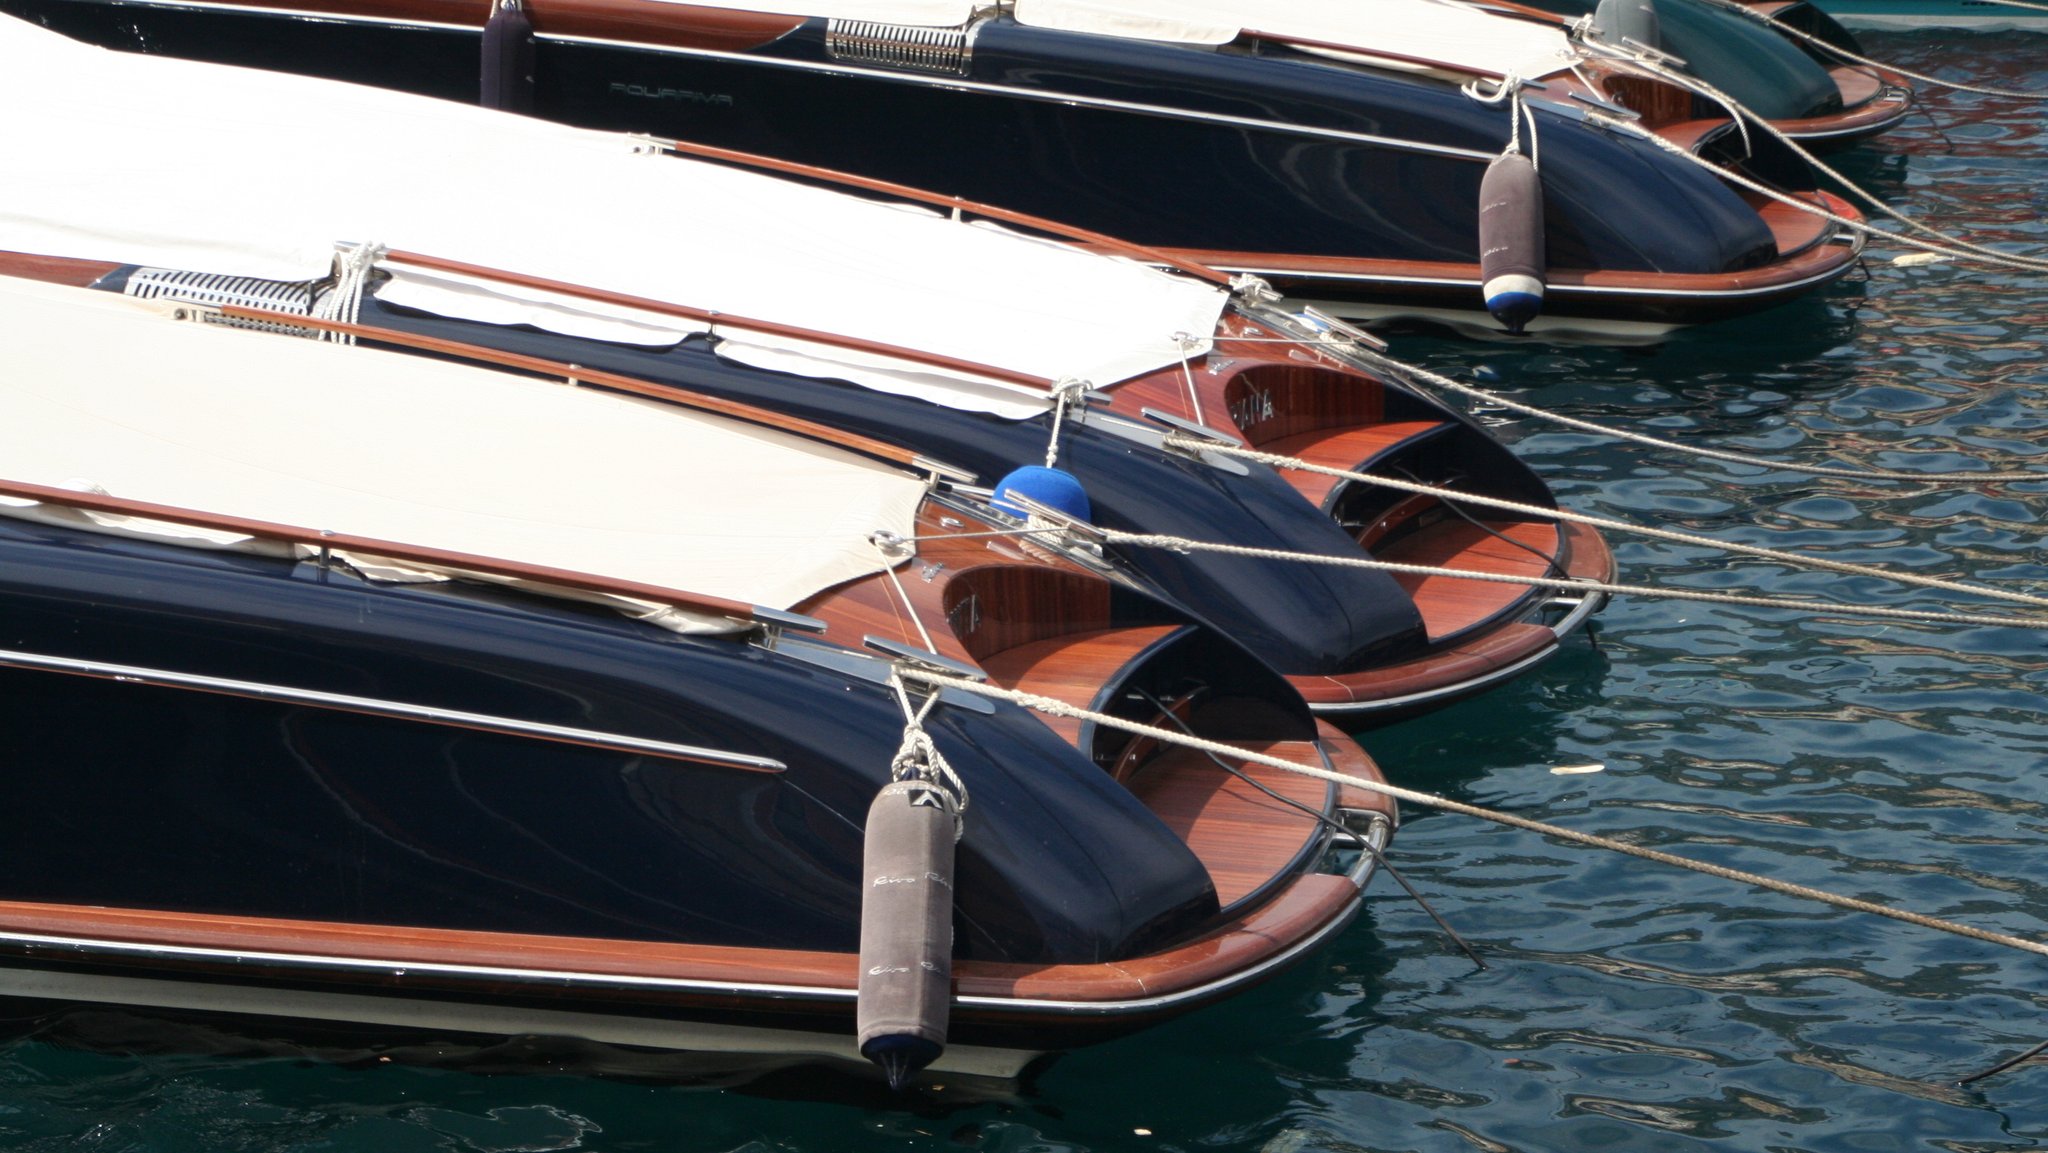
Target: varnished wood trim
point(1294, 916)
point(1347, 756)
point(659, 22)
point(54, 269)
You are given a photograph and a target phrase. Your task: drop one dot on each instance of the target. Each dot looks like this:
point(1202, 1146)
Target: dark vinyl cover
point(130, 795)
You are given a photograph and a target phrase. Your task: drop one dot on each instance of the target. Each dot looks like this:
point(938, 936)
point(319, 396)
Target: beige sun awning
point(107, 393)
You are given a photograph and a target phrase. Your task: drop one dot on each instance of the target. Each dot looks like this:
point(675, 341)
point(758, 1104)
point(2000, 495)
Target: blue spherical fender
point(1511, 261)
point(1054, 488)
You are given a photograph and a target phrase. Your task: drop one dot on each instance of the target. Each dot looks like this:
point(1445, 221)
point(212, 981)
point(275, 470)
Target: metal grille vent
point(295, 297)
point(945, 50)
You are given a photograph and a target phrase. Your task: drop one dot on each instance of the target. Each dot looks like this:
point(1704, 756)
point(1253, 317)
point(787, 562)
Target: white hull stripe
point(488, 1020)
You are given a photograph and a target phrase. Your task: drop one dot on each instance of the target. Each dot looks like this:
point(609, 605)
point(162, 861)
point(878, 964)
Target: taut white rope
point(1563, 584)
point(1545, 513)
point(1060, 708)
point(1382, 360)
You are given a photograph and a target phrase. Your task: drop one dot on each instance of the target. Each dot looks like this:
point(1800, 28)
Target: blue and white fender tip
point(1514, 300)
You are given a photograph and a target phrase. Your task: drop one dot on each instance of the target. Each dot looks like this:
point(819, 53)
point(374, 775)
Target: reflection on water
point(1625, 1005)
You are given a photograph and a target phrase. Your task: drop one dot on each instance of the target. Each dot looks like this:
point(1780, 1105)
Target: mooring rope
point(1059, 708)
point(344, 301)
point(1543, 512)
point(918, 758)
point(1845, 54)
point(1188, 344)
point(894, 550)
point(1562, 584)
point(1509, 89)
point(1381, 360)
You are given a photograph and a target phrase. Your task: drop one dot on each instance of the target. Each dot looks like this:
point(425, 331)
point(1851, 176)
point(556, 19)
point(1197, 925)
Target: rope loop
point(1509, 89)
point(343, 302)
point(919, 760)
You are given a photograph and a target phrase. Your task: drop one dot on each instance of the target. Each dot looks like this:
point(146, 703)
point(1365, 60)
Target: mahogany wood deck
point(1244, 837)
point(1353, 449)
point(1071, 668)
point(1452, 605)
point(1464, 658)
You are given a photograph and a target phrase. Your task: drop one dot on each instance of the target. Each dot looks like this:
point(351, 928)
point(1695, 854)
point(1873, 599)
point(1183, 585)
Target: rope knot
point(919, 760)
point(343, 301)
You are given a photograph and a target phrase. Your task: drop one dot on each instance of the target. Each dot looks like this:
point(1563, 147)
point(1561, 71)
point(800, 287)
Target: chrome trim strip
point(657, 1033)
point(371, 706)
point(1060, 98)
point(1379, 832)
point(1582, 609)
point(1472, 685)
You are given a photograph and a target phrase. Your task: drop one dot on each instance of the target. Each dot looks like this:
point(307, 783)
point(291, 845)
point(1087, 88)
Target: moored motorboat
point(273, 757)
point(1793, 84)
point(1261, 142)
point(939, 337)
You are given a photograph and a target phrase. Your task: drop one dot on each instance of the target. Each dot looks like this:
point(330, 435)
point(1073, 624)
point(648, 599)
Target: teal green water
point(1626, 1006)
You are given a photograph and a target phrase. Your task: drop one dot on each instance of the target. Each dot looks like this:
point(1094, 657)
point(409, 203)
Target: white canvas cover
point(1456, 36)
point(151, 160)
point(106, 393)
